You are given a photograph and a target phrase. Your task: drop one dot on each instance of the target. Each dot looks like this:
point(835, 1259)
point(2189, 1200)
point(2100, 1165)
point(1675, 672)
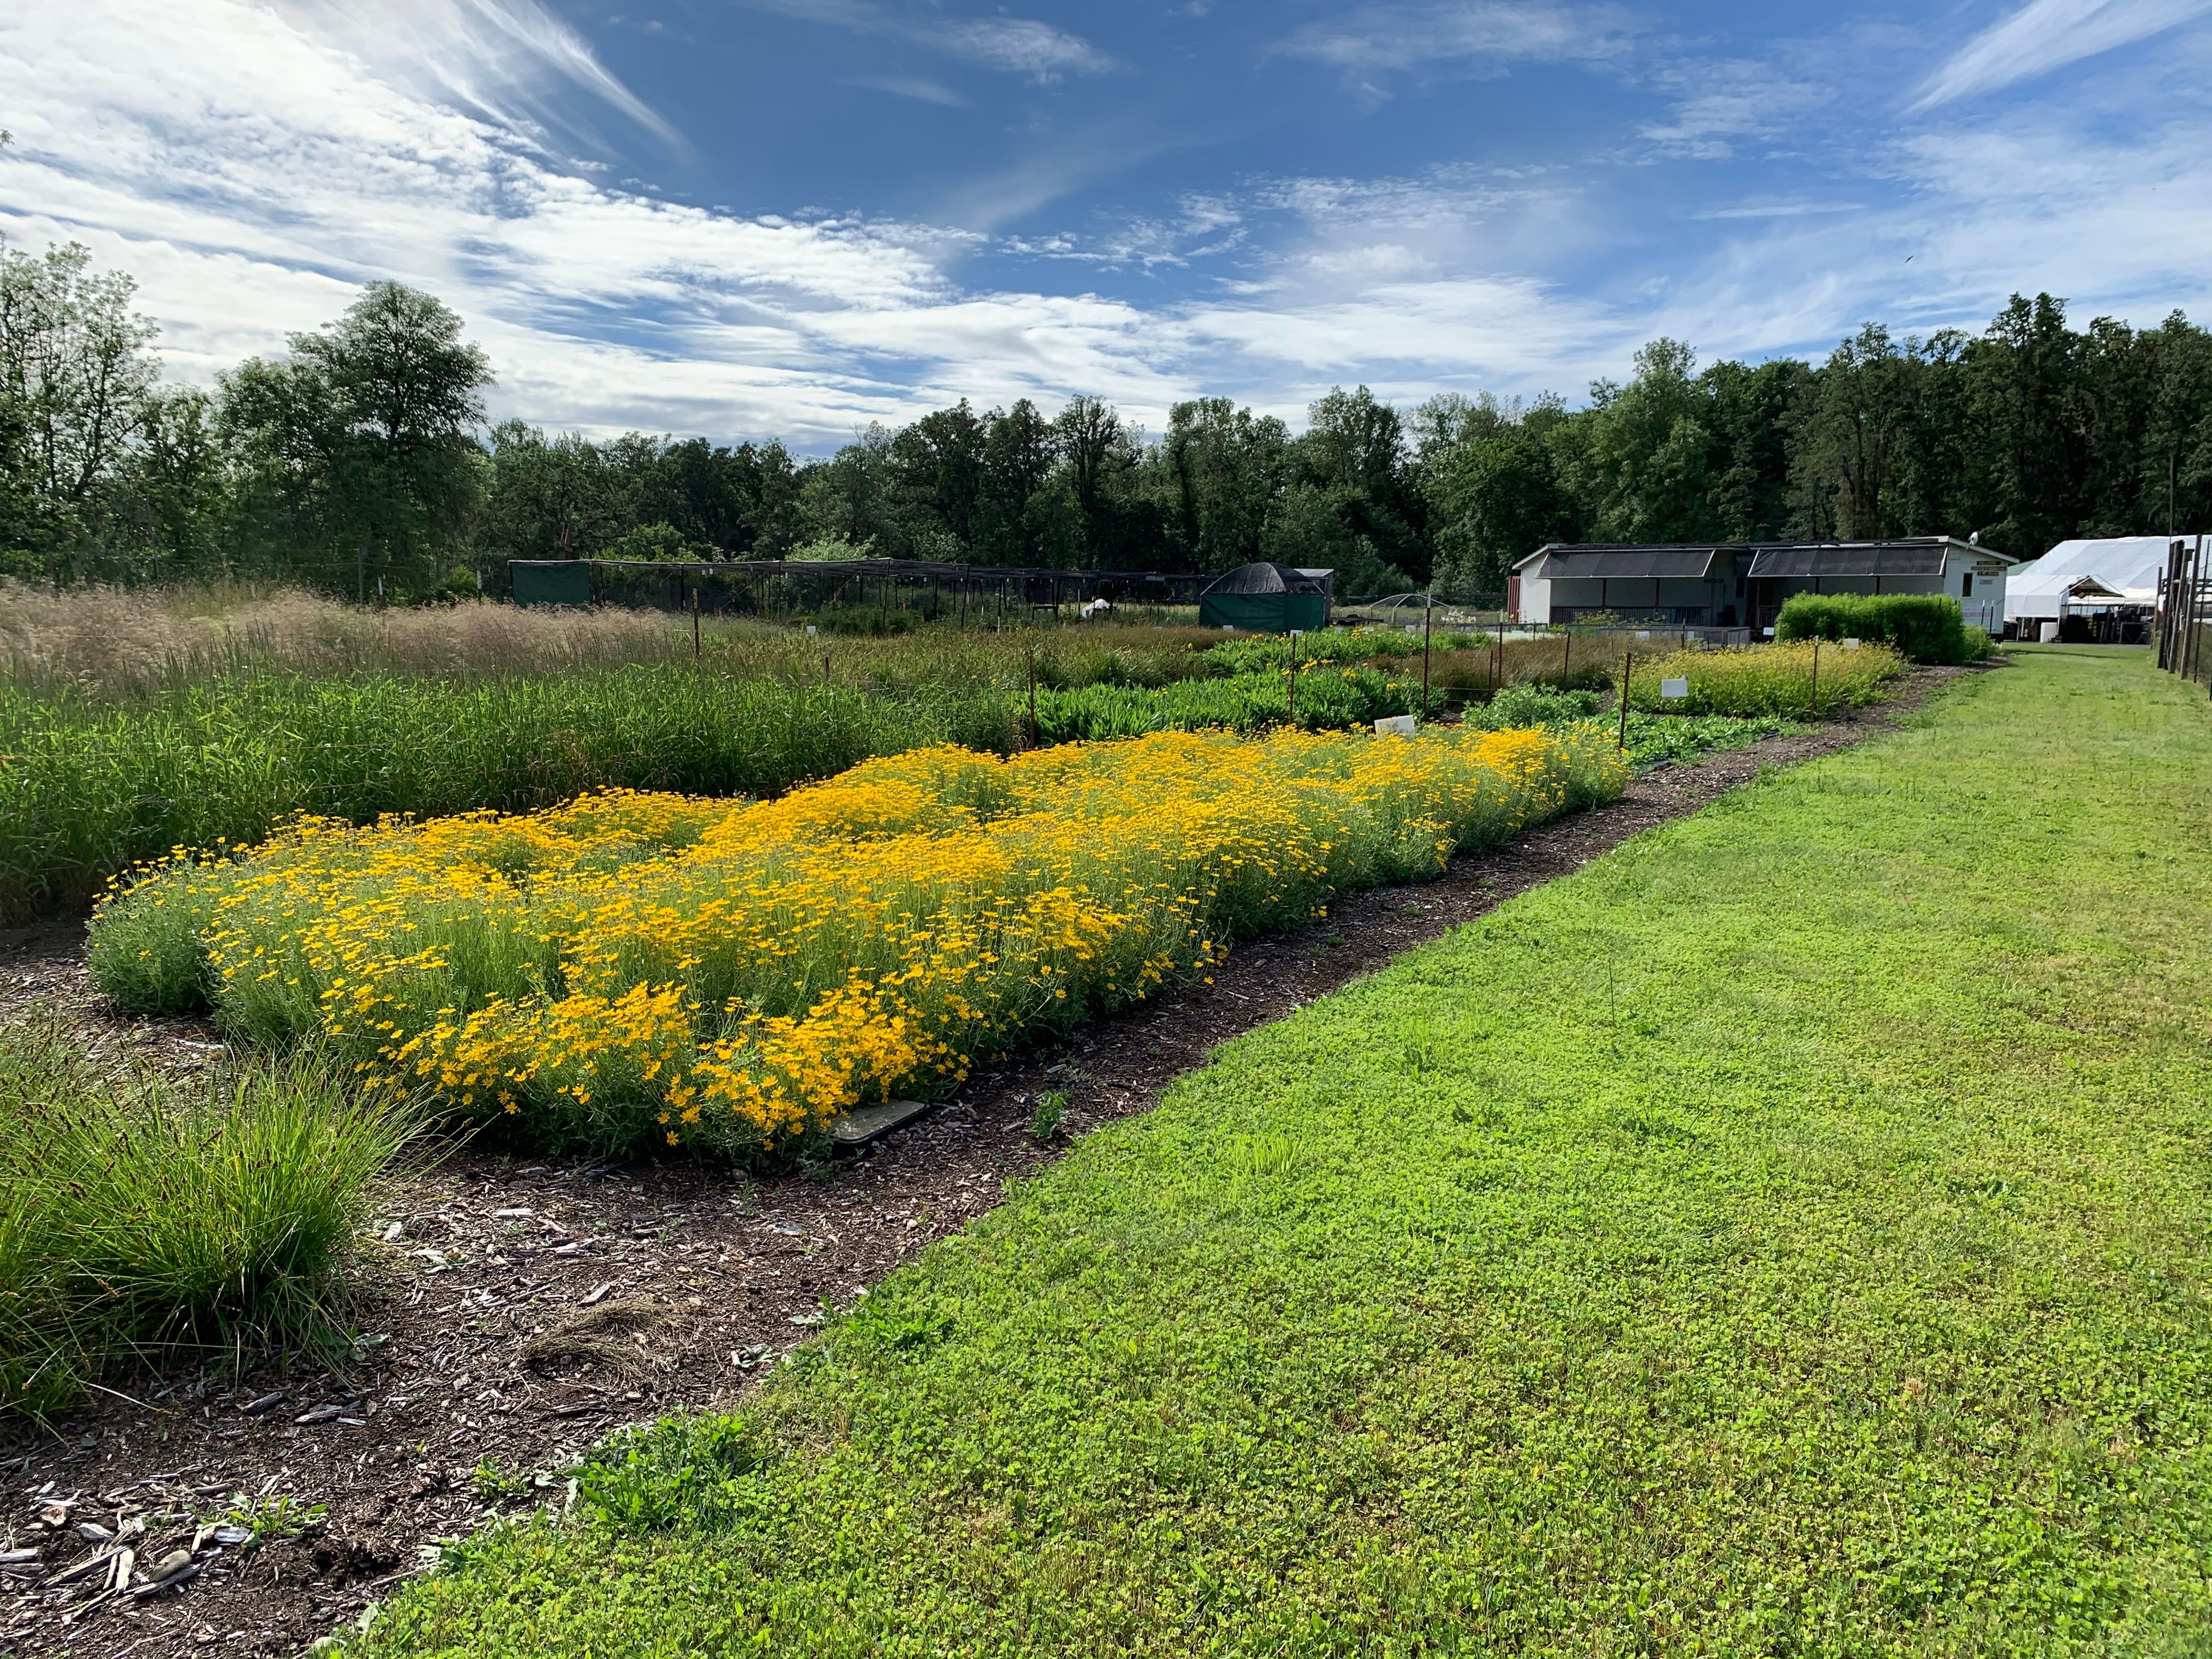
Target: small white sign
point(810, 630)
point(1395, 726)
point(1672, 690)
point(1851, 645)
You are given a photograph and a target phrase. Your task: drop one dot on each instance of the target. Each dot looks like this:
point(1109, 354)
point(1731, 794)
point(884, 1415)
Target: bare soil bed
point(516, 1310)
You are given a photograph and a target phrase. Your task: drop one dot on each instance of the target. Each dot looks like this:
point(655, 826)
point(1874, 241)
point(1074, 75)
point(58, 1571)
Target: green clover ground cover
point(1787, 1236)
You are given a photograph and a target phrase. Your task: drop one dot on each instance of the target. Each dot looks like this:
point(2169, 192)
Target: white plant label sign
point(1674, 690)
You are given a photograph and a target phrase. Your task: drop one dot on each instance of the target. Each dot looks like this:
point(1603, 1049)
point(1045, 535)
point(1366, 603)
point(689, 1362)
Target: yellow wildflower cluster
point(733, 974)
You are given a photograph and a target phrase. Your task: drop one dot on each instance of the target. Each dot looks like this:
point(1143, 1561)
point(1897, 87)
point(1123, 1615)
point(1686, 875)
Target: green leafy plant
point(1051, 1112)
point(496, 1486)
point(269, 1519)
point(683, 1472)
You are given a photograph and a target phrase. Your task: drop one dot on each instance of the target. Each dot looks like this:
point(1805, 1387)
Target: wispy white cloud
point(2049, 34)
point(511, 61)
point(1777, 210)
point(1019, 45)
point(253, 169)
point(1718, 105)
point(1462, 35)
point(910, 86)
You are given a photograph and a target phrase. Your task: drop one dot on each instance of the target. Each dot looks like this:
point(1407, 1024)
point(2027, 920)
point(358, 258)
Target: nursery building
point(1743, 583)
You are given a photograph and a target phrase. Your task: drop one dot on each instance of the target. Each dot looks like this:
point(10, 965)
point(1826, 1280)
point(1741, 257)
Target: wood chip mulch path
point(518, 1310)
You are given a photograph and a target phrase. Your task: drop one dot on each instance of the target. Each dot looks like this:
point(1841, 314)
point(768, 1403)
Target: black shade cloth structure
point(720, 587)
point(552, 582)
point(1594, 563)
point(1918, 556)
point(1266, 599)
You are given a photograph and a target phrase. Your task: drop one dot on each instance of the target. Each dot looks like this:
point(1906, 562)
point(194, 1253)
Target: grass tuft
point(141, 1216)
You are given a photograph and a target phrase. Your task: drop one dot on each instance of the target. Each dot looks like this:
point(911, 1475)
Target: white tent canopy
point(2126, 568)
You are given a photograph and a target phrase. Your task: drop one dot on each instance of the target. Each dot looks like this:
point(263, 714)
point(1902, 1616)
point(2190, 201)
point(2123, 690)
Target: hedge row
point(1925, 627)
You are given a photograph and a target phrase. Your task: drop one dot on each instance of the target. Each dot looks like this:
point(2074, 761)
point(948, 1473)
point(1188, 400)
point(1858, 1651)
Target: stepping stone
point(866, 1123)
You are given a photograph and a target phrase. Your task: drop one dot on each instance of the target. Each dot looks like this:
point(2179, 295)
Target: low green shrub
point(1651, 737)
point(1766, 680)
point(1928, 627)
point(1532, 704)
point(142, 1214)
point(865, 619)
point(1249, 652)
point(1329, 698)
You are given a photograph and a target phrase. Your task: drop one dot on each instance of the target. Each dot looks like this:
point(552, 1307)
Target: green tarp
point(562, 581)
point(1264, 613)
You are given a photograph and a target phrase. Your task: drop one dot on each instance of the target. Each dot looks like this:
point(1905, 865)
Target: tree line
point(359, 461)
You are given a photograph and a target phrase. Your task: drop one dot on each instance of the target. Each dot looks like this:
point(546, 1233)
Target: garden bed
point(704, 1265)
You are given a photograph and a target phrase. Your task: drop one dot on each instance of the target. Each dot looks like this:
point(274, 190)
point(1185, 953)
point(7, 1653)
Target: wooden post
point(1567, 657)
point(1294, 680)
point(1428, 611)
point(1033, 723)
point(1627, 664)
point(1498, 679)
point(695, 622)
point(1814, 712)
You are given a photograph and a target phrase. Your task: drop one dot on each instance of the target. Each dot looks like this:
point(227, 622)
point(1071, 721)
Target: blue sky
point(759, 217)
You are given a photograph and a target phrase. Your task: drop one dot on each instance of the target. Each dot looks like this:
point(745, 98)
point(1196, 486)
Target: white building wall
point(1535, 600)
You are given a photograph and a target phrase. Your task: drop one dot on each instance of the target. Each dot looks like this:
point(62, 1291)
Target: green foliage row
point(1329, 698)
point(1623, 1274)
point(1651, 737)
point(86, 794)
point(1770, 680)
point(92, 785)
point(1928, 627)
point(143, 1217)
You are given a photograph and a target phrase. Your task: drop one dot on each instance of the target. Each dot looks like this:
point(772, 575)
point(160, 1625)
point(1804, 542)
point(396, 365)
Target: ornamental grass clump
point(1767, 680)
point(730, 976)
point(142, 1216)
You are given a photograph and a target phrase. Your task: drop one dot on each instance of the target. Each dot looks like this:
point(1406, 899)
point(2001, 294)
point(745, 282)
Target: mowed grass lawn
point(1790, 1235)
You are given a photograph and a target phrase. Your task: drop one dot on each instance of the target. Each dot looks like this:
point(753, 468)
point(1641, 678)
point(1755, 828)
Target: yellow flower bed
point(731, 975)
